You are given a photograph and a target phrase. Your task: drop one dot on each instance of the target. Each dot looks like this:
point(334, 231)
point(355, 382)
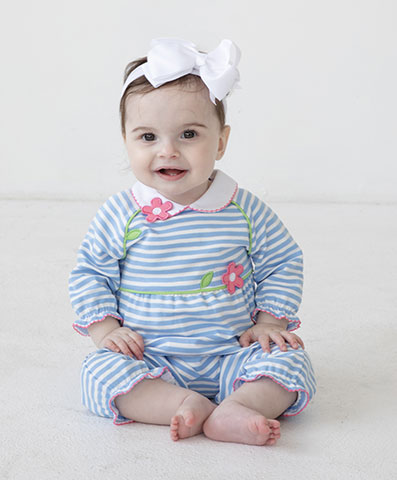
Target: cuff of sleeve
point(81, 325)
point(293, 321)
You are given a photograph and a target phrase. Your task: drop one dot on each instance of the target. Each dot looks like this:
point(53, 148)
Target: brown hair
point(142, 85)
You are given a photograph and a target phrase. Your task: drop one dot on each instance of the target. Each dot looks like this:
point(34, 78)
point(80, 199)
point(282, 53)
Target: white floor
point(349, 327)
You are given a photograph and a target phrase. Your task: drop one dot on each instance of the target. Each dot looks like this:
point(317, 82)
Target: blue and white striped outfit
point(170, 281)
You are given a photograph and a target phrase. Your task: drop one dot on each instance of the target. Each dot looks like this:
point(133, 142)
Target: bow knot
point(172, 58)
point(201, 58)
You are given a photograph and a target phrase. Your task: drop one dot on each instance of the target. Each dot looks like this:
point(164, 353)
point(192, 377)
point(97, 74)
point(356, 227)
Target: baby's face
point(173, 138)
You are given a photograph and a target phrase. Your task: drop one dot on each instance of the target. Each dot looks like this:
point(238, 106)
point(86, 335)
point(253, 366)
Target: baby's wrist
point(264, 318)
point(99, 330)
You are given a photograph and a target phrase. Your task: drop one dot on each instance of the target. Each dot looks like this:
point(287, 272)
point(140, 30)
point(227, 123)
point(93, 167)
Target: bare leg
point(246, 416)
point(158, 402)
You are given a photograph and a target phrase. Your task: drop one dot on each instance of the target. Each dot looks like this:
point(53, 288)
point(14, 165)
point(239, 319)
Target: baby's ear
point(223, 139)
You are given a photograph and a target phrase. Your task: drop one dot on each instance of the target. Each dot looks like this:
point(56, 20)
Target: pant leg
point(292, 370)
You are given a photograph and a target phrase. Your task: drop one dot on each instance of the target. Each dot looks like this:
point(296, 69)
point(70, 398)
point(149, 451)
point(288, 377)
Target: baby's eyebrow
point(141, 128)
point(192, 124)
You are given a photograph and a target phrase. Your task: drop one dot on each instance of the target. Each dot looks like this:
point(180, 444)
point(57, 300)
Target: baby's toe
point(174, 428)
point(271, 441)
point(259, 426)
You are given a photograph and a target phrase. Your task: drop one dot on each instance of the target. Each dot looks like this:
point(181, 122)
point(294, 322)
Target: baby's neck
point(189, 197)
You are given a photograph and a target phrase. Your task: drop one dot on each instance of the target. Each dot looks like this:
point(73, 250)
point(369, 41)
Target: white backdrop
point(315, 120)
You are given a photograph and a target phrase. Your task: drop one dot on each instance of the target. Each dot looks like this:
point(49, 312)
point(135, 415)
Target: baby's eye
point(189, 134)
point(148, 137)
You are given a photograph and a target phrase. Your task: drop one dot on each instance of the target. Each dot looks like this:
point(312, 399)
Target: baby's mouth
point(171, 172)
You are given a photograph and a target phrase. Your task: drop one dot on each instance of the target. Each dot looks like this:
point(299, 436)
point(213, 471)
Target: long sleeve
point(278, 264)
point(95, 280)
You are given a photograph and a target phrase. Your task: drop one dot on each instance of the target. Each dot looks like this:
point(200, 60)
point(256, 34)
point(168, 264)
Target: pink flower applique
point(231, 278)
point(157, 210)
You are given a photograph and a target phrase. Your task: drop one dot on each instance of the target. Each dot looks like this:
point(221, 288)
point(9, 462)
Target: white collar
point(218, 196)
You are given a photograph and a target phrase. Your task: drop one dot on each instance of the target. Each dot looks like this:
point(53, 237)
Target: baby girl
point(187, 284)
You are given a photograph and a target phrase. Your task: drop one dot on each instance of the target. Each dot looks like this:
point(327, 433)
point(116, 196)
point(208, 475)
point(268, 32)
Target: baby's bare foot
point(233, 422)
point(190, 416)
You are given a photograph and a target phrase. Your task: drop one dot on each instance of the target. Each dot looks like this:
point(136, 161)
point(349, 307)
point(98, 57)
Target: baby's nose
point(168, 149)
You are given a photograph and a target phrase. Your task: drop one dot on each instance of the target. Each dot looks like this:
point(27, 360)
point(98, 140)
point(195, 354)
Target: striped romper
point(189, 280)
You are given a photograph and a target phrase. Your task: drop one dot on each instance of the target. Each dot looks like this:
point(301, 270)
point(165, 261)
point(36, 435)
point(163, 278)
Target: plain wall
point(315, 119)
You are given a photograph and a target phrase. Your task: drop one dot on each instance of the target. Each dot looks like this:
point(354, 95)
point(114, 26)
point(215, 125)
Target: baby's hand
point(124, 340)
point(264, 333)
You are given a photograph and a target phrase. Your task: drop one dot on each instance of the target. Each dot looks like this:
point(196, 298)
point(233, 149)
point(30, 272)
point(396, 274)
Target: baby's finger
point(245, 339)
point(279, 341)
point(300, 341)
point(111, 346)
point(135, 348)
point(138, 340)
point(290, 337)
point(293, 340)
point(264, 343)
point(123, 346)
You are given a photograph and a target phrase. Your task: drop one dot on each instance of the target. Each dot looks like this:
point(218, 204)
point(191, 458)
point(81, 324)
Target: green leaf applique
point(207, 279)
point(133, 234)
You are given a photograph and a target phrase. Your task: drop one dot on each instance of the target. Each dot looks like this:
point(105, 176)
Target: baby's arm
point(278, 269)
point(278, 275)
point(109, 334)
point(95, 280)
point(268, 328)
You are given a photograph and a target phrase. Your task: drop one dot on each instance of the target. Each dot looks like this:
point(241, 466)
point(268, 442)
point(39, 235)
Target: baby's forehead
point(172, 93)
point(179, 99)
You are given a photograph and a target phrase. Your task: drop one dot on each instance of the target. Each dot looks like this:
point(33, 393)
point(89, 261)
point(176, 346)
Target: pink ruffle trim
point(76, 325)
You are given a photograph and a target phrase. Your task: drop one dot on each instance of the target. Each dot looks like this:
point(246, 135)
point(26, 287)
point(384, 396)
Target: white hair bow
point(172, 58)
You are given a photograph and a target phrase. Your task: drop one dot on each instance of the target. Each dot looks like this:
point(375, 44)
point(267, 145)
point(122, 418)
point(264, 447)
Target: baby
point(187, 284)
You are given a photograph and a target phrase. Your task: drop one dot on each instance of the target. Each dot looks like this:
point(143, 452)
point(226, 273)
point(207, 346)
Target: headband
point(172, 58)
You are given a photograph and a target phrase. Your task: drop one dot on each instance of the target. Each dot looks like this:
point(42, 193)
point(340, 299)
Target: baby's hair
point(141, 85)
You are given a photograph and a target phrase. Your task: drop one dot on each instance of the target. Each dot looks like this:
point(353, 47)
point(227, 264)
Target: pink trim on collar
point(218, 209)
point(219, 195)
